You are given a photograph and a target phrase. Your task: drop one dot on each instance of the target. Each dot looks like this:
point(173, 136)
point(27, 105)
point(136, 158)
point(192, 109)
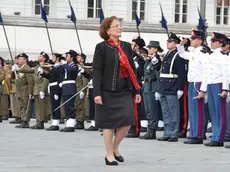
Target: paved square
point(26, 150)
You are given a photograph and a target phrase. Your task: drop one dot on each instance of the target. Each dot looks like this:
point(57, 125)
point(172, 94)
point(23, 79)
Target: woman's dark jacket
point(106, 67)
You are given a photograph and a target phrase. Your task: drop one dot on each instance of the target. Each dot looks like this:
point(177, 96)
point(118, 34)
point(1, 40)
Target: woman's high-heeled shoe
point(119, 158)
point(113, 163)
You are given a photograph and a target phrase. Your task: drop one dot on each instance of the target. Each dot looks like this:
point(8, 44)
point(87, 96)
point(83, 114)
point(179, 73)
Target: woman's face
point(115, 29)
point(54, 58)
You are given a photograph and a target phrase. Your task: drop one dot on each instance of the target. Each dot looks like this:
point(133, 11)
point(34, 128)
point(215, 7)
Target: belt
point(53, 84)
point(69, 82)
point(162, 75)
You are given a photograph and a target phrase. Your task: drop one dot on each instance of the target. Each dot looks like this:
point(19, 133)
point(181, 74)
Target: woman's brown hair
point(105, 25)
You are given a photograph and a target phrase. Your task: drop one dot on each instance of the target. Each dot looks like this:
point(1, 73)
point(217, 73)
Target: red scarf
point(125, 68)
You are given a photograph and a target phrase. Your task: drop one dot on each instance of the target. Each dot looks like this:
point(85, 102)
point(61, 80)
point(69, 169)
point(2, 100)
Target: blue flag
point(138, 20)
point(73, 17)
point(163, 20)
point(43, 13)
point(101, 15)
point(0, 18)
point(201, 24)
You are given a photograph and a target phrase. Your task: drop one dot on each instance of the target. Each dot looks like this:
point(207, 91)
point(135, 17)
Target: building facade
point(26, 30)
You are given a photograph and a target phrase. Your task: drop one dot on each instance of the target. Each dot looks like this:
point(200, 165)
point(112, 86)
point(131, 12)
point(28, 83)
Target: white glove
point(40, 70)
point(179, 94)
point(90, 82)
point(157, 96)
point(136, 65)
point(56, 97)
point(228, 98)
point(82, 95)
point(30, 96)
point(80, 71)
point(15, 68)
point(206, 98)
point(42, 95)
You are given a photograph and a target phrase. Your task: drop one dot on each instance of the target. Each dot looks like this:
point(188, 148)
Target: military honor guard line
point(130, 87)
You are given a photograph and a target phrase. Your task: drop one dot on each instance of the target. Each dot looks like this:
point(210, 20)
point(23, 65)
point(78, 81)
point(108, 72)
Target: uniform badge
point(154, 60)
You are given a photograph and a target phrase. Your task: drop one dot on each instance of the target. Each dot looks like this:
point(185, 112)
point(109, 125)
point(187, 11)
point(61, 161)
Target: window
point(222, 12)
point(46, 4)
point(139, 6)
point(94, 7)
point(181, 11)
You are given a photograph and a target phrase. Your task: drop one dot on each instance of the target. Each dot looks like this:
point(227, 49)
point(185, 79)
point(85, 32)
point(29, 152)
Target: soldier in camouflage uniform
point(24, 90)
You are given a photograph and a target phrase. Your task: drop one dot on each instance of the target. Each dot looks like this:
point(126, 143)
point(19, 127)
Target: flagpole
point(8, 44)
point(48, 34)
point(75, 25)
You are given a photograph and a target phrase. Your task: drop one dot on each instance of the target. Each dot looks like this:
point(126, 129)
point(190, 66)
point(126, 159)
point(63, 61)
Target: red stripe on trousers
point(185, 97)
point(223, 114)
point(136, 118)
point(200, 115)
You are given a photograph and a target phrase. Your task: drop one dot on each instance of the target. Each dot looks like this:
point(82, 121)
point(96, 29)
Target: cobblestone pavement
point(26, 150)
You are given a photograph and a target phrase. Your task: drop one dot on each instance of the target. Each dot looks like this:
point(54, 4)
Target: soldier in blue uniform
point(54, 77)
point(151, 77)
point(69, 89)
point(170, 89)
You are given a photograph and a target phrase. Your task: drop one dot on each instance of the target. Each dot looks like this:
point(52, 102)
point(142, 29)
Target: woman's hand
point(98, 100)
point(137, 98)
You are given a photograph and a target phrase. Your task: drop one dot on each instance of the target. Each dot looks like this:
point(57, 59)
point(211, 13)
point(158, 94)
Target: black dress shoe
point(24, 124)
point(173, 139)
point(119, 158)
point(194, 141)
point(53, 128)
point(16, 121)
point(143, 129)
point(227, 146)
point(68, 129)
point(38, 126)
point(150, 135)
point(163, 139)
point(79, 126)
point(132, 135)
point(214, 144)
point(5, 117)
point(91, 128)
point(0, 119)
point(113, 163)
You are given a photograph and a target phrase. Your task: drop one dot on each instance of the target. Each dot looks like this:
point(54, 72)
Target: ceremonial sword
point(71, 98)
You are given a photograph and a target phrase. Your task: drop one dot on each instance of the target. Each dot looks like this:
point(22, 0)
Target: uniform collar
point(217, 50)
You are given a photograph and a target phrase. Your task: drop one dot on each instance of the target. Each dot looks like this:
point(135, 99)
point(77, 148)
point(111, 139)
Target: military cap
point(23, 55)
point(72, 53)
point(45, 55)
point(218, 37)
point(198, 34)
point(139, 41)
point(143, 51)
point(83, 56)
point(173, 38)
point(155, 44)
point(226, 40)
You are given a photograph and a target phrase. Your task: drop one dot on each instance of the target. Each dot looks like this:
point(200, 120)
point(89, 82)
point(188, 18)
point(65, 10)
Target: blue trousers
point(217, 110)
point(227, 131)
point(171, 115)
point(196, 111)
point(69, 107)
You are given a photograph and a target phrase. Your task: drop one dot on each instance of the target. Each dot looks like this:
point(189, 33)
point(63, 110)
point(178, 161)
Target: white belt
point(53, 84)
point(162, 75)
point(69, 82)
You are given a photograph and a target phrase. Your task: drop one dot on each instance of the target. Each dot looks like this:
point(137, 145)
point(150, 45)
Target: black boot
point(91, 128)
point(5, 117)
point(0, 119)
point(80, 125)
point(214, 144)
point(53, 128)
point(67, 129)
point(38, 126)
point(151, 134)
point(24, 124)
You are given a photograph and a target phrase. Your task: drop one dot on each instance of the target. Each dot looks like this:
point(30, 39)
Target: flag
point(73, 17)
point(0, 18)
point(163, 20)
point(138, 20)
point(201, 24)
point(43, 13)
point(101, 15)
